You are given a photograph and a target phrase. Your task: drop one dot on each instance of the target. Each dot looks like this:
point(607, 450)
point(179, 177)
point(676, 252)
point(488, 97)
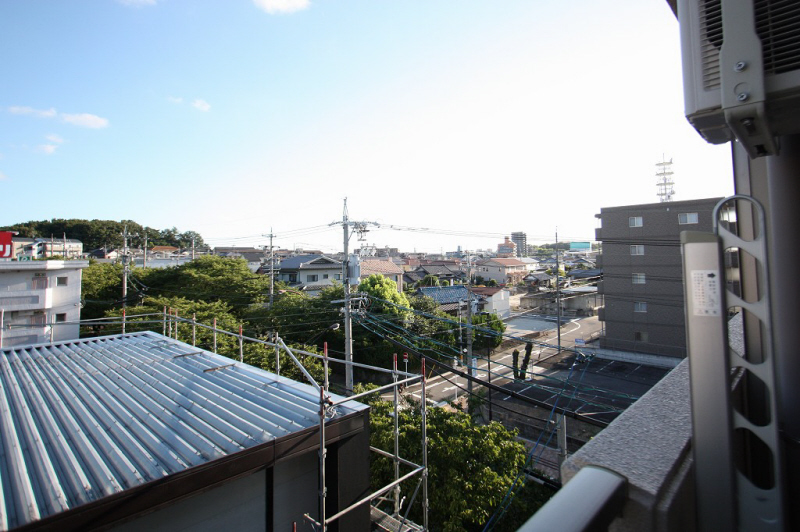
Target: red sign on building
point(6, 247)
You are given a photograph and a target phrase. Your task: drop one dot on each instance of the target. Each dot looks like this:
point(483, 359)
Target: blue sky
point(458, 116)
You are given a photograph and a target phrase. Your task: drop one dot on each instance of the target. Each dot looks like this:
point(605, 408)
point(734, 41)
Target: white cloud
point(3, 176)
point(282, 6)
point(137, 3)
point(85, 120)
point(175, 99)
point(78, 119)
point(54, 138)
point(24, 110)
point(49, 149)
point(201, 105)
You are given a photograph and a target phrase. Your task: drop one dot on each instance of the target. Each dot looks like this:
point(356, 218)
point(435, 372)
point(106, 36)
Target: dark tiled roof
point(445, 294)
point(302, 261)
point(583, 274)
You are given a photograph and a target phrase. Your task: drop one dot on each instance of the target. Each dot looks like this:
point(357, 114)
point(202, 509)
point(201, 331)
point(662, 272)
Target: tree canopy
point(95, 234)
point(491, 335)
point(471, 467)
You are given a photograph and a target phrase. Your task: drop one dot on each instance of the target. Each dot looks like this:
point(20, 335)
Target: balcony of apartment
point(637, 474)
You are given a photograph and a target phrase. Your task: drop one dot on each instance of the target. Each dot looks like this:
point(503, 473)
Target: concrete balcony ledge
point(649, 446)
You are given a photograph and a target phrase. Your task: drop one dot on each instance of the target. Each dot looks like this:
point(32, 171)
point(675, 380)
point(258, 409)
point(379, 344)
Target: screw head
point(739, 66)
point(742, 96)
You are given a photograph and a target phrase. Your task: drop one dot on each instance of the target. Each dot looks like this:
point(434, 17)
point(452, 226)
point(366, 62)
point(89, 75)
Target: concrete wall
point(650, 446)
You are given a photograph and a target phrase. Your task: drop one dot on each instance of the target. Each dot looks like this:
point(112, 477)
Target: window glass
point(635, 221)
point(637, 249)
point(61, 281)
point(640, 306)
point(687, 218)
point(638, 278)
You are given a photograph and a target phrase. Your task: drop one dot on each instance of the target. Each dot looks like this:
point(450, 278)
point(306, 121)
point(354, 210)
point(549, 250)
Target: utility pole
point(348, 323)
point(470, 360)
point(125, 267)
point(360, 228)
point(192, 248)
point(144, 263)
point(271, 268)
point(558, 297)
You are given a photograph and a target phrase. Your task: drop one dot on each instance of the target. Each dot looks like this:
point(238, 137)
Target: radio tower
point(664, 181)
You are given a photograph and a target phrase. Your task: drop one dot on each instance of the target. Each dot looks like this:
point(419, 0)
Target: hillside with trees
point(96, 234)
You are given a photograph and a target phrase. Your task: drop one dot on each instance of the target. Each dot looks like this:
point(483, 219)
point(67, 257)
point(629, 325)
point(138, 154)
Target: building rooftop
point(369, 267)
point(87, 419)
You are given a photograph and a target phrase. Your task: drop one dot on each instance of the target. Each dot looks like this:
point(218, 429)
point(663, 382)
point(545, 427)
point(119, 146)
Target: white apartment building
point(36, 297)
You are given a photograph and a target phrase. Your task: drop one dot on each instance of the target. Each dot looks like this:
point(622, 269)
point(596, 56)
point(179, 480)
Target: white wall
point(22, 303)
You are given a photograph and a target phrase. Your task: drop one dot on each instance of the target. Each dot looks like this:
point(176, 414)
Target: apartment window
point(640, 336)
point(292, 277)
point(637, 249)
point(312, 278)
point(324, 275)
point(638, 278)
point(687, 218)
point(38, 320)
point(640, 306)
point(39, 283)
point(337, 276)
point(61, 318)
point(635, 221)
point(61, 281)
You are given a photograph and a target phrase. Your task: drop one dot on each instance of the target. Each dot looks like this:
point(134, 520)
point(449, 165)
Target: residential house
point(453, 299)
point(507, 249)
point(503, 270)
point(531, 264)
point(40, 300)
point(143, 432)
point(162, 252)
point(447, 275)
point(387, 268)
point(310, 273)
point(643, 276)
point(495, 300)
point(540, 280)
point(255, 257)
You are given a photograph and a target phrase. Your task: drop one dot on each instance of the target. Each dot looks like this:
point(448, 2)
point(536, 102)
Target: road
point(446, 387)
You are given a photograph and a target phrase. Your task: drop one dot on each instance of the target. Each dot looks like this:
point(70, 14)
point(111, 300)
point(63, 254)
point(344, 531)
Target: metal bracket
point(743, 92)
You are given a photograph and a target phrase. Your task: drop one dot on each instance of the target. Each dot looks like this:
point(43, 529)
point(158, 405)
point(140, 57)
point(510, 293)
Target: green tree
point(429, 280)
point(489, 334)
point(101, 288)
point(471, 467)
point(383, 289)
point(209, 278)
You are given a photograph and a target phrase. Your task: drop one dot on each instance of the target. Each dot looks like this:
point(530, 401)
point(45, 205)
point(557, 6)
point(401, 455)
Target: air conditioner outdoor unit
point(741, 70)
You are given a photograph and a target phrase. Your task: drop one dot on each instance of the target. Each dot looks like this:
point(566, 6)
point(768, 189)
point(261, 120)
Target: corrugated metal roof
point(84, 419)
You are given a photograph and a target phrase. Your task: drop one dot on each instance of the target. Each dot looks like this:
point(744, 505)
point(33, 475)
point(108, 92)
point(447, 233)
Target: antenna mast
point(664, 180)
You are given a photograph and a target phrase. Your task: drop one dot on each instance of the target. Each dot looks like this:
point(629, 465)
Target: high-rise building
point(642, 273)
point(521, 240)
